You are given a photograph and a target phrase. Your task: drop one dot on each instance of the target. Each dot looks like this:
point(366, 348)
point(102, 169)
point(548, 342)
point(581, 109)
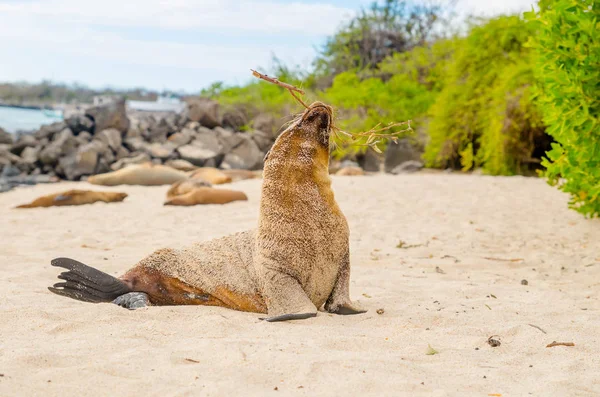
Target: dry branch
point(374, 135)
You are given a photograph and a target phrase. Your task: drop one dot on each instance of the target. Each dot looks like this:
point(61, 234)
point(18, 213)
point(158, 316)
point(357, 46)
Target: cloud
point(311, 19)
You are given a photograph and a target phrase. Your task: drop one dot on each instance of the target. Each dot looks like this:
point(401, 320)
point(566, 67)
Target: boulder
point(262, 139)
point(6, 157)
point(196, 154)
point(246, 156)
point(370, 160)
point(234, 119)
point(159, 131)
point(30, 155)
point(407, 167)
point(63, 144)
point(79, 123)
point(226, 138)
point(48, 131)
point(5, 137)
point(23, 142)
point(134, 158)
point(84, 137)
point(104, 151)
point(182, 138)
point(121, 153)
point(83, 162)
point(192, 125)
point(110, 115)
point(161, 151)
point(134, 144)
point(110, 136)
point(208, 139)
point(401, 152)
point(205, 111)
point(266, 123)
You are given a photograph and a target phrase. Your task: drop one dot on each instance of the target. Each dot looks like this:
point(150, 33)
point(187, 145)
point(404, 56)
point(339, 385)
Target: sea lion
point(240, 175)
point(294, 263)
point(147, 174)
point(350, 171)
point(184, 187)
point(211, 175)
point(75, 197)
point(198, 191)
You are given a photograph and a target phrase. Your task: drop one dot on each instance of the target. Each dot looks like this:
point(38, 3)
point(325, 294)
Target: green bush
point(567, 59)
point(484, 115)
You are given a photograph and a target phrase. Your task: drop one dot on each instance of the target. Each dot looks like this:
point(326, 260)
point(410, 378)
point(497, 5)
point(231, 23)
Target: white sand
point(54, 346)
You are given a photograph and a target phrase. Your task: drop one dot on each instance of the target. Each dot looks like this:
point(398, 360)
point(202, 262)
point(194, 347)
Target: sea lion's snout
point(319, 114)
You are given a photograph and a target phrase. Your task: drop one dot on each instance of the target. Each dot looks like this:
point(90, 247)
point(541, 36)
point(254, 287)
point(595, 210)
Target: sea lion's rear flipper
point(286, 300)
point(87, 284)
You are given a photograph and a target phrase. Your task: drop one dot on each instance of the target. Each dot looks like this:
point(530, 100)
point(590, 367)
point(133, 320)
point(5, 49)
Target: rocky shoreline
point(106, 138)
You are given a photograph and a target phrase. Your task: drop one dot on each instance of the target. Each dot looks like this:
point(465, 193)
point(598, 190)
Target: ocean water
point(15, 119)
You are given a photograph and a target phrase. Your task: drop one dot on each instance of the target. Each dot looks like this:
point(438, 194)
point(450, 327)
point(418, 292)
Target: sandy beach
point(443, 256)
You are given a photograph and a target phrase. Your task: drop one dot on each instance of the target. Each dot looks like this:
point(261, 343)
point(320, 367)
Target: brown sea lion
point(140, 174)
point(240, 175)
point(75, 197)
point(211, 175)
point(295, 262)
point(350, 171)
point(198, 191)
point(184, 187)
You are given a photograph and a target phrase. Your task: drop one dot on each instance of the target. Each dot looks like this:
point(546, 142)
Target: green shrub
point(484, 115)
point(567, 59)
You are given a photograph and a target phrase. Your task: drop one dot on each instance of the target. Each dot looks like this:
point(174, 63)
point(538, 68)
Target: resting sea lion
point(75, 197)
point(198, 191)
point(295, 262)
point(240, 175)
point(350, 171)
point(140, 174)
point(206, 195)
point(211, 175)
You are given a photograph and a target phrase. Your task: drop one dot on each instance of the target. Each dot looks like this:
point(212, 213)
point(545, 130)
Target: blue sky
point(174, 44)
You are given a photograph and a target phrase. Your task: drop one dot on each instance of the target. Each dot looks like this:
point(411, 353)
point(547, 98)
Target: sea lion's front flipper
point(339, 301)
point(86, 283)
point(286, 300)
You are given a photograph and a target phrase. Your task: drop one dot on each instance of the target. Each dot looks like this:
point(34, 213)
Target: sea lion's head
point(316, 122)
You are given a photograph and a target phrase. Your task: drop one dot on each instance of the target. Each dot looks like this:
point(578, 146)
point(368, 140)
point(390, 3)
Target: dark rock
point(370, 161)
point(246, 156)
point(182, 138)
point(159, 131)
point(234, 119)
point(5, 137)
point(111, 115)
point(205, 111)
point(407, 167)
point(79, 123)
point(30, 155)
point(161, 151)
point(63, 144)
point(134, 158)
point(398, 153)
point(84, 137)
point(134, 144)
point(196, 154)
point(121, 153)
point(111, 136)
point(104, 151)
point(10, 171)
point(81, 163)
point(48, 131)
point(23, 142)
point(226, 138)
point(266, 123)
point(262, 139)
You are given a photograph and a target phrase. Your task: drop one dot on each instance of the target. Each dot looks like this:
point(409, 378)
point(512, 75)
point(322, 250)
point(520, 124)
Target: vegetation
point(567, 55)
